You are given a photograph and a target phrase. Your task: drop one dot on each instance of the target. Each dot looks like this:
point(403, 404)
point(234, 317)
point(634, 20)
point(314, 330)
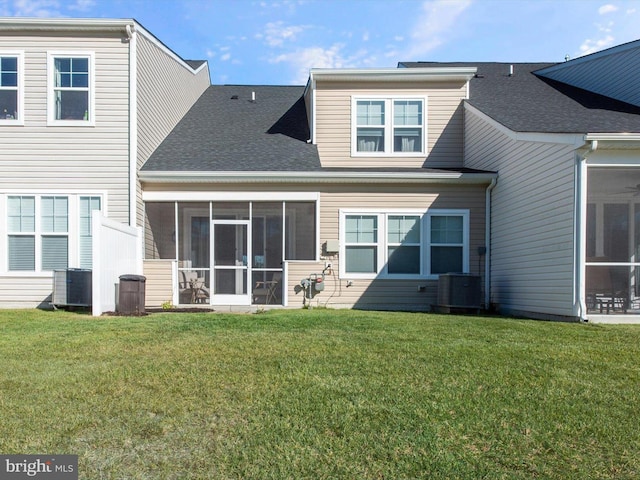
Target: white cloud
point(36, 8)
point(608, 8)
point(303, 60)
point(226, 57)
point(277, 33)
point(435, 23)
point(81, 5)
point(365, 37)
point(591, 46)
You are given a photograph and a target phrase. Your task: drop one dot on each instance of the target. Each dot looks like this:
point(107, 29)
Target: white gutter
point(487, 242)
point(612, 137)
point(394, 74)
point(133, 125)
point(315, 177)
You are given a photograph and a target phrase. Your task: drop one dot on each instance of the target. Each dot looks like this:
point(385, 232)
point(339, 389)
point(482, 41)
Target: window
point(40, 229)
point(87, 205)
point(394, 126)
point(49, 235)
point(71, 95)
point(404, 244)
point(10, 88)
point(447, 243)
point(361, 243)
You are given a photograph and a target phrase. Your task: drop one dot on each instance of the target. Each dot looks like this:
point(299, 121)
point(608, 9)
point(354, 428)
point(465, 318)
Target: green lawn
point(321, 394)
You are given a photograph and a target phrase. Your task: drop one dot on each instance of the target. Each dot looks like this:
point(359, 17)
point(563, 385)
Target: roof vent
point(234, 97)
point(253, 96)
point(511, 70)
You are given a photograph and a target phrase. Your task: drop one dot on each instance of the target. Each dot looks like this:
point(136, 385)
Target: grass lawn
point(321, 394)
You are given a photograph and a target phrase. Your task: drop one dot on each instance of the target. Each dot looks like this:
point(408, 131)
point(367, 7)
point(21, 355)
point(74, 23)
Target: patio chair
point(267, 290)
point(192, 288)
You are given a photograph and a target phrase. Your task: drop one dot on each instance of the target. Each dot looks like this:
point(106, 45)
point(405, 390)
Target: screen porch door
point(231, 270)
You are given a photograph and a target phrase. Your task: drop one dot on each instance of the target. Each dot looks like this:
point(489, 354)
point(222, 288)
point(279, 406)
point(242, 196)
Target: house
point(366, 188)
point(83, 104)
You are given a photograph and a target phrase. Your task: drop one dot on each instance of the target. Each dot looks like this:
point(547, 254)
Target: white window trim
point(51, 117)
point(20, 89)
point(388, 126)
point(73, 231)
point(382, 244)
point(465, 237)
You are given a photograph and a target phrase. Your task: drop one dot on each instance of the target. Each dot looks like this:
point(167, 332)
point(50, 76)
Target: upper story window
point(388, 126)
point(71, 89)
point(10, 88)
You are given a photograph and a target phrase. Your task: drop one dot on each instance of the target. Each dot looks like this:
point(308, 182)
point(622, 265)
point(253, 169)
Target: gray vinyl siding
point(166, 90)
point(614, 75)
point(532, 219)
point(36, 158)
point(40, 157)
point(444, 118)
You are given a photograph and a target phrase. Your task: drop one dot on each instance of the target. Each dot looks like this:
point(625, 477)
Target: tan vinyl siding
point(373, 293)
point(159, 282)
point(532, 251)
point(166, 90)
point(40, 157)
point(444, 123)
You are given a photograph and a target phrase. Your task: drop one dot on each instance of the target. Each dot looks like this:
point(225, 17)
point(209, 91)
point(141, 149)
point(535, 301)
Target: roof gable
point(613, 72)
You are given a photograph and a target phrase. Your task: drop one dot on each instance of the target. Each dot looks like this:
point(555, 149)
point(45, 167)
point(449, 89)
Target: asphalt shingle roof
point(526, 102)
point(226, 131)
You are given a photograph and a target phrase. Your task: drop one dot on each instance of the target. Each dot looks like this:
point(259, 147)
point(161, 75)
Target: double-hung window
point(404, 244)
point(10, 88)
point(38, 233)
point(71, 89)
point(388, 126)
point(49, 232)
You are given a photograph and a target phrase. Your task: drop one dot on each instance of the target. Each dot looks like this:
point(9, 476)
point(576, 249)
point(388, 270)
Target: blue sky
point(277, 42)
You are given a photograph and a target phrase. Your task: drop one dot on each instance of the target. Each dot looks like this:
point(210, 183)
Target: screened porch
point(230, 253)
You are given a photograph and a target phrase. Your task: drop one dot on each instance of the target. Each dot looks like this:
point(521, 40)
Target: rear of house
point(347, 193)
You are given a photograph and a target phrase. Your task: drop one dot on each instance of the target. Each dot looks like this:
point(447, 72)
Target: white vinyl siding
point(532, 218)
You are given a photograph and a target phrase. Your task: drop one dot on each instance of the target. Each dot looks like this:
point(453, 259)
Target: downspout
point(133, 126)
point(581, 197)
point(487, 258)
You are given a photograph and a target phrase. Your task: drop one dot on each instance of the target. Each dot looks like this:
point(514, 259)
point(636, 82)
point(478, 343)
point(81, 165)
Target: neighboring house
point(565, 213)
point(360, 189)
point(83, 103)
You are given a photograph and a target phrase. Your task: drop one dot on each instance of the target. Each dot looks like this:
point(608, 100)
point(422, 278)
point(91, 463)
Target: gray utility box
point(131, 294)
point(72, 288)
point(459, 292)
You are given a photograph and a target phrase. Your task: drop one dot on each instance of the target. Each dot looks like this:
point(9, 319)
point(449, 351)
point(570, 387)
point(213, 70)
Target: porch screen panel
point(266, 246)
point(193, 234)
point(160, 230)
point(300, 230)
